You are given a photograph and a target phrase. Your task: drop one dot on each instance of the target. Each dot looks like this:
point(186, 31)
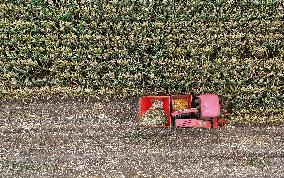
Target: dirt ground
point(96, 138)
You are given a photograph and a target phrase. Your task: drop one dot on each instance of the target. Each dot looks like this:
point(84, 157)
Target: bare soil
point(91, 137)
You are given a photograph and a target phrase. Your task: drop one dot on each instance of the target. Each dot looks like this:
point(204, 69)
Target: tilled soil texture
point(97, 138)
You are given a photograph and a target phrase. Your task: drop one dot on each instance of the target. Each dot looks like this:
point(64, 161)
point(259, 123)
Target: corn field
point(232, 48)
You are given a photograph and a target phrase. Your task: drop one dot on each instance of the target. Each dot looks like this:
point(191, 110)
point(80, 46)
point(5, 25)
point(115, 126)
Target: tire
point(196, 103)
point(197, 115)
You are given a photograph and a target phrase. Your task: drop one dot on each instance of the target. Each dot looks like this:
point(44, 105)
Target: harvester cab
point(181, 111)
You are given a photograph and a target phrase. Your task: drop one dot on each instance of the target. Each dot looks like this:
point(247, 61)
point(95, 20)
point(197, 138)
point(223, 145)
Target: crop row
point(233, 48)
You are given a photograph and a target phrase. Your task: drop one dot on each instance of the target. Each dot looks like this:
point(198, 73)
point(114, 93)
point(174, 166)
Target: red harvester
point(183, 112)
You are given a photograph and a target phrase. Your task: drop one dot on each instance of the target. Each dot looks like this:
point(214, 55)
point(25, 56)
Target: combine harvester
point(180, 111)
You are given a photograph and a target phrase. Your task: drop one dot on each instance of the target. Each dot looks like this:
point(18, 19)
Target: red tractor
point(181, 111)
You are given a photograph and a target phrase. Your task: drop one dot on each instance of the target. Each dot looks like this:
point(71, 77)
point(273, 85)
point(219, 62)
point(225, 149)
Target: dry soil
point(97, 138)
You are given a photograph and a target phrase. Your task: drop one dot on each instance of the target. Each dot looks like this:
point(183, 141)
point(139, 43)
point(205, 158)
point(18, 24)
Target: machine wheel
point(197, 115)
point(196, 103)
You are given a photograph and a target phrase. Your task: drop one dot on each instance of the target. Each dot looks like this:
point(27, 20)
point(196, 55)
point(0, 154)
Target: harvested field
point(95, 138)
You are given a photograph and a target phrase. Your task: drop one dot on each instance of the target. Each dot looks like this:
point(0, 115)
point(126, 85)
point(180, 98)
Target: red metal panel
point(145, 103)
point(183, 123)
point(209, 105)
